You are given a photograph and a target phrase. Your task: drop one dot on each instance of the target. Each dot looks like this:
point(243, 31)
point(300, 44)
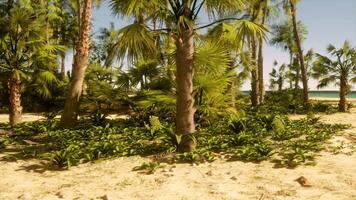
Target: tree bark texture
point(185, 124)
point(254, 76)
point(300, 54)
point(343, 93)
point(15, 101)
point(297, 76)
point(63, 64)
point(70, 113)
point(261, 86)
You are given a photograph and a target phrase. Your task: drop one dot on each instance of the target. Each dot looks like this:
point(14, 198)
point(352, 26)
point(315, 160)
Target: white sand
point(30, 117)
point(27, 117)
point(333, 178)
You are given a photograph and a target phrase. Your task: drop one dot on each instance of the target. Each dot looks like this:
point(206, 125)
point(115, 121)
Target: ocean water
point(333, 94)
point(315, 93)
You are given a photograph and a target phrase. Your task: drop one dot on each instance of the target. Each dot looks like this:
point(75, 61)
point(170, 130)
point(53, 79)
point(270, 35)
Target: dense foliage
point(252, 137)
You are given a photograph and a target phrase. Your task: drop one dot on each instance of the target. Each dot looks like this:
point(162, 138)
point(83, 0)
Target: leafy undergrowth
point(254, 138)
point(290, 101)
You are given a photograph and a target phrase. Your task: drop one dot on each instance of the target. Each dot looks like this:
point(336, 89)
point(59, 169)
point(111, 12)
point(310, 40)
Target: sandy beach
point(332, 99)
point(332, 178)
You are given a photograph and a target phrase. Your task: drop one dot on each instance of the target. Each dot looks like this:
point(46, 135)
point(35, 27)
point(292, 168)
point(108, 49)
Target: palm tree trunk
point(343, 93)
point(297, 76)
point(15, 101)
point(79, 12)
point(63, 65)
point(280, 84)
point(185, 98)
point(70, 113)
point(261, 87)
point(254, 76)
point(300, 54)
point(290, 68)
point(233, 93)
point(47, 23)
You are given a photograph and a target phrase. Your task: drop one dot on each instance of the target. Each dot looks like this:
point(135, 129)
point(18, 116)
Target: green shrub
point(98, 118)
point(255, 136)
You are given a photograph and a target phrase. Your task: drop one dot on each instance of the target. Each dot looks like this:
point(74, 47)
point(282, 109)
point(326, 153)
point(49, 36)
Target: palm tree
point(143, 72)
point(255, 12)
point(109, 39)
point(25, 54)
point(179, 20)
point(224, 35)
point(277, 76)
point(64, 25)
point(340, 70)
point(212, 81)
point(81, 58)
point(309, 58)
point(267, 12)
point(291, 8)
point(283, 38)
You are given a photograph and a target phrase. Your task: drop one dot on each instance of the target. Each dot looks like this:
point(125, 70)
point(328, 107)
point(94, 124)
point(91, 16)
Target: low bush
point(291, 101)
point(253, 137)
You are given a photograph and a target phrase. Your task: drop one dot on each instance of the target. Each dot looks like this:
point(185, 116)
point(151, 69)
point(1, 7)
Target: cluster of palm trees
point(198, 66)
point(339, 69)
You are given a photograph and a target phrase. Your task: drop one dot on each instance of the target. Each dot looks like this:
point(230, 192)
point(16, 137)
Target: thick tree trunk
point(255, 99)
point(343, 93)
point(15, 101)
point(70, 113)
point(300, 54)
point(185, 99)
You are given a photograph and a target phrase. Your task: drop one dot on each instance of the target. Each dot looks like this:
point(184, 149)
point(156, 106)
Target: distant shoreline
point(323, 94)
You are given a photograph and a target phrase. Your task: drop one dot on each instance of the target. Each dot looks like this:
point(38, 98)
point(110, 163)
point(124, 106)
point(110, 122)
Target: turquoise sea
point(317, 93)
point(333, 94)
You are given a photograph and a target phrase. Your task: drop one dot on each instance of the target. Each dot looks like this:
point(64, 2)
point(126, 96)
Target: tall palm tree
point(268, 11)
point(25, 54)
point(64, 25)
point(291, 8)
point(255, 12)
point(283, 38)
point(224, 35)
point(179, 19)
point(340, 69)
point(81, 58)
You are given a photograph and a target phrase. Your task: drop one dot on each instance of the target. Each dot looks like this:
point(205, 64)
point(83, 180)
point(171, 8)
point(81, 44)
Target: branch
point(220, 20)
point(160, 29)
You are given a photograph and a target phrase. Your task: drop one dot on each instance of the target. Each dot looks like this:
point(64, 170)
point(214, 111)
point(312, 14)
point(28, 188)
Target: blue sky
point(327, 21)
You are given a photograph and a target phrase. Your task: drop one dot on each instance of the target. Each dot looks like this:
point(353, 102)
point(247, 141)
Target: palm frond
point(246, 30)
point(136, 41)
point(211, 58)
point(220, 8)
